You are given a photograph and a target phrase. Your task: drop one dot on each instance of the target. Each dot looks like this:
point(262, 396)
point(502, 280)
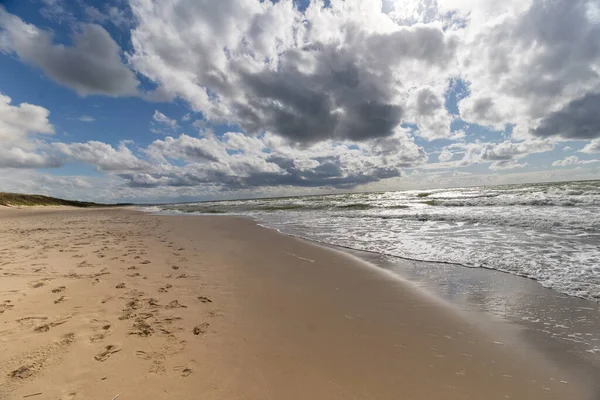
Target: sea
point(548, 232)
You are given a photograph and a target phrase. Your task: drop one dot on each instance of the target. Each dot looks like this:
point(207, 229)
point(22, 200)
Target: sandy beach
point(114, 303)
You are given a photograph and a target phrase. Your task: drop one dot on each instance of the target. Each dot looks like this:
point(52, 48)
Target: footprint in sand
point(200, 329)
point(165, 288)
point(5, 306)
point(157, 359)
point(175, 304)
point(152, 302)
point(141, 328)
point(59, 300)
point(120, 286)
point(84, 264)
point(108, 351)
point(204, 299)
point(103, 328)
point(186, 372)
point(22, 372)
point(37, 284)
point(59, 289)
point(46, 327)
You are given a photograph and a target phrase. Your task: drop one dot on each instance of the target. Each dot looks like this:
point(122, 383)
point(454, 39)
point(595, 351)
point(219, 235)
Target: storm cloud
point(580, 119)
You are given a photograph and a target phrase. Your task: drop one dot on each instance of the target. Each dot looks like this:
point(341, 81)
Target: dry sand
point(96, 304)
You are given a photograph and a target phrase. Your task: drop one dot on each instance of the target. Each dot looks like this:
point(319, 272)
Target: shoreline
point(555, 326)
point(248, 313)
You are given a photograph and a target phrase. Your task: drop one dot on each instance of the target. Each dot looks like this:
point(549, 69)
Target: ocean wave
point(546, 232)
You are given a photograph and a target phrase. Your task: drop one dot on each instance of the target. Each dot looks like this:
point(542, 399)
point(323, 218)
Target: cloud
point(101, 155)
point(325, 73)
point(19, 126)
point(507, 164)
point(237, 162)
point(592, 147)
point(56, 11)
point(526, 60)
point(118, 16)
point(16, 157)
point(86, 118)
point(572, 160)
point(19, 122)
point(187, 148)
point(92, 65)
point(579, 119)
point(503, 155)
point(445, 155)
point(163, 119)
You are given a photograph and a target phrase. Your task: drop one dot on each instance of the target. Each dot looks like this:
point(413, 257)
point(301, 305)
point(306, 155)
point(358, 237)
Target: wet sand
point(102, 303)
point(562, 329)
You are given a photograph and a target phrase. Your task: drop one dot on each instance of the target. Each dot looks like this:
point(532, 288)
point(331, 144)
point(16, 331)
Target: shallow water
point(548, 232)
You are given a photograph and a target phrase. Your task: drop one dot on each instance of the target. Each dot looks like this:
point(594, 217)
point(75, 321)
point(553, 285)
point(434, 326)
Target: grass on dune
point(17, 199)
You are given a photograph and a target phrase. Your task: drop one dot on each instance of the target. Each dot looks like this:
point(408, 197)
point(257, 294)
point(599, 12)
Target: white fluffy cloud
point(592, 147)
point(501, 156)
point(92, 65)
point(528, 61)
point(19, 126)
point(102, 156)
point(17, 123)
point(163, 119)
point(572, 160)
point(445, 155)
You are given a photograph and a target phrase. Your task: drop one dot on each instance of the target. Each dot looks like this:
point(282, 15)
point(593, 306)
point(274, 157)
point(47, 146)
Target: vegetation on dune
point(17, 199)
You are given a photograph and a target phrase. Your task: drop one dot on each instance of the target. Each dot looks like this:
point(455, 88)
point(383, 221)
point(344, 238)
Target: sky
point(181, 100)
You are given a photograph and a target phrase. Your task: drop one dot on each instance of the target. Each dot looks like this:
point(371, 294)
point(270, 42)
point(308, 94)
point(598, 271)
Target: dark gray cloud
point(327, 174)
point(92, 65)
point(350, 92)
point(427, 102)
point(580, 119)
